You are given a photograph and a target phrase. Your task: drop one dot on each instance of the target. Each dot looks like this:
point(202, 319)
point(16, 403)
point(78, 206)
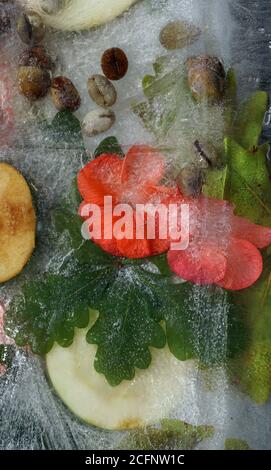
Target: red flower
point(132, 180)
point(223, 248)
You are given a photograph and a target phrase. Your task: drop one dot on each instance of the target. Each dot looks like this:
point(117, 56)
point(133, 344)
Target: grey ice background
point(31, 416)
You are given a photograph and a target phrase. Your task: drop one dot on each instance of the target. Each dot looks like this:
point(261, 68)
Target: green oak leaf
point(65, 130)
point(130, 312)
point(236, 444)
point(170, 434)
point(109, 145)
point(131, 302)
point(49, 309)
point(247, 184)
point(249, 122)
point(252, 368)
point(130, 315)
point(160, 261)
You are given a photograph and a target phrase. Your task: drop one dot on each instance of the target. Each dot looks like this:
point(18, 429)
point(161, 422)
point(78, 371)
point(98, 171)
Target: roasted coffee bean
point(64, 94)
point(37, 56)
point(33, 82)
point(114, 63)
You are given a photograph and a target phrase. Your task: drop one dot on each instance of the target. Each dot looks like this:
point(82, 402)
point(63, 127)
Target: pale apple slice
point(146, 399)
point(17, 222)
point(77, 15)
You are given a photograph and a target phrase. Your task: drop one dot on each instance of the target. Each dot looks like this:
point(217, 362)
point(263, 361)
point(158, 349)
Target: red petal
point(157, 247)
point(142, 165)
point(258, 235)
point(134, 248)
point(99, 178)
point(244, 265)
point(201, 265)
point(109, 246)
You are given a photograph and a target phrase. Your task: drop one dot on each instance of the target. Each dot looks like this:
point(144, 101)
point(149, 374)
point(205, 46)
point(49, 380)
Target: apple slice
point(17, 222)
point(77, 15)
point(150, 396)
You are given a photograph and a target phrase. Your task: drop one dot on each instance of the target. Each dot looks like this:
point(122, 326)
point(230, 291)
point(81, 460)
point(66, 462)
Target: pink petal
point(199, 264)
point(142, 165)
point(257, 234)
point(244, 265)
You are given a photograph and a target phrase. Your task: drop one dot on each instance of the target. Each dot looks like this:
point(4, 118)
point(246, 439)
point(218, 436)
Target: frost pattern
point(31, 416)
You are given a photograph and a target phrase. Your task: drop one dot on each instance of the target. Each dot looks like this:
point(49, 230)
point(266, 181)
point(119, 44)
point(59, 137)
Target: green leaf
point(252, 368)
point(215, 181)
point(67, 220)
point(129, 314)
point(109, 145)
point(249, 123)
point(170, 434)
point(212, 337)
point(164, 92)
point(248, 185)
point(160, 261)
point(131, 303)
point(49, 309)
point(65, 130)
point(167, 76)
point(236, 444)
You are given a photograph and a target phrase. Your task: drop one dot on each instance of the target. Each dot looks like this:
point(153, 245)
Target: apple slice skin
point(81, 14)
point(17, 222)
point(146, 399)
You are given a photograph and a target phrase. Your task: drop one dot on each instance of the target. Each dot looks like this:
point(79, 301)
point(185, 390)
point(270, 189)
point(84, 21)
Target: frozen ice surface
point(31, 415)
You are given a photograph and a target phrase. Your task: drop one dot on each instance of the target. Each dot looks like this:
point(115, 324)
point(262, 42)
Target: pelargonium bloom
point(223, 248)
point(136, 179)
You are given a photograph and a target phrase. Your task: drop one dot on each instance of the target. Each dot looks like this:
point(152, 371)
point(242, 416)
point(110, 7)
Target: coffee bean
point(30, 28)
point(64, 94)
point(33, 82)
point(114, 63)
point(98, 121)
point(36, 56)
point(206, 78)
point(102, 91)
point(178, 34)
